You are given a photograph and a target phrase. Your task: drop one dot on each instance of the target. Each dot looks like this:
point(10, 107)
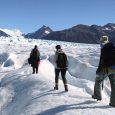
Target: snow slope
point(13, 33)
point(24, 93)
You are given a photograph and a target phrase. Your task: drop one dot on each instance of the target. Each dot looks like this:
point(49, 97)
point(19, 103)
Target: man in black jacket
point(106, 68)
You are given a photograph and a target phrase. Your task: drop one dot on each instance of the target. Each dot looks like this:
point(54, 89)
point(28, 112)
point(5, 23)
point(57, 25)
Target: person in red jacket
point(35, 59)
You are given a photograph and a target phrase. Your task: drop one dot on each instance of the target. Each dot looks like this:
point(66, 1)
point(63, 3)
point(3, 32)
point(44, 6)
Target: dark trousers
point(63, 73)
point(98, 84)
point(35, 69)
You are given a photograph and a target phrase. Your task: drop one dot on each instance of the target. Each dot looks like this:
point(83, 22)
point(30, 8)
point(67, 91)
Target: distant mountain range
point(79, 33)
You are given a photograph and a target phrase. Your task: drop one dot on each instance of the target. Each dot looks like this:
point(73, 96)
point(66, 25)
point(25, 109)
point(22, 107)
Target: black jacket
point(35, 57)
point(107, 57)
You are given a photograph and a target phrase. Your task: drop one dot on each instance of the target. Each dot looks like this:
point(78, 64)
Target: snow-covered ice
point(24, 93)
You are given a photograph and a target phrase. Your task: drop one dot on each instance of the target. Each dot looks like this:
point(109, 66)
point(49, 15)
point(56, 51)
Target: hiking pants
point(98, 84)
point(35, 69)
point(63, 73)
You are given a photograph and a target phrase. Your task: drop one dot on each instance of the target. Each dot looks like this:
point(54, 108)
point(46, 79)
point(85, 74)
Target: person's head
point(58, 47)
point(104, 39)
point(36, 46)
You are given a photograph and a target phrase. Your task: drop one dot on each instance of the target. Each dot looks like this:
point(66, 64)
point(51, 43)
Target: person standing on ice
point(34, 59)
point(61, 64)
point(106, 68)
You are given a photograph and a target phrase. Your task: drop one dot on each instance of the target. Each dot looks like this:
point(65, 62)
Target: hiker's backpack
point(29, 60)
point(62, 60)
point(108, 53)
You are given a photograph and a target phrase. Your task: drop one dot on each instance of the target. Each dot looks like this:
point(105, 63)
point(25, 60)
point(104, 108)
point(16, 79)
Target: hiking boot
point(66, 88)
point(98, 98)
point(111, 105)
point(56, 87)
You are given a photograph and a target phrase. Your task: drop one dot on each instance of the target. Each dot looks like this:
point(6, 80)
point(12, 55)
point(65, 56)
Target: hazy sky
point(30, 15)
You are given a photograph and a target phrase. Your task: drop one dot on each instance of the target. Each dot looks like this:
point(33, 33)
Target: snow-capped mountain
point(84, 33)
point(109, 26)
point(79, 33)
point(42, 32)
point(12, 33)
point(3, 34)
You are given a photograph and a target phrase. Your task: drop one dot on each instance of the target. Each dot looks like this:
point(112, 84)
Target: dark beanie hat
point(58, 47)
point(35, 46)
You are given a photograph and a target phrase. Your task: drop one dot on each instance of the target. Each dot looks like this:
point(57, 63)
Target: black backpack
point(62, 60)
point(29, 60)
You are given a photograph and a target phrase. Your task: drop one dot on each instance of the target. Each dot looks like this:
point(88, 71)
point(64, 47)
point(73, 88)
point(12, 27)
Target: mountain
point(83, 33)
point(3, 34)
point(11, 33)
point(109, 29)
point(79, 33)
point(42, 32)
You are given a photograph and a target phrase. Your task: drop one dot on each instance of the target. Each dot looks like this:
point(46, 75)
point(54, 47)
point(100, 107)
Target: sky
point(29, 15)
